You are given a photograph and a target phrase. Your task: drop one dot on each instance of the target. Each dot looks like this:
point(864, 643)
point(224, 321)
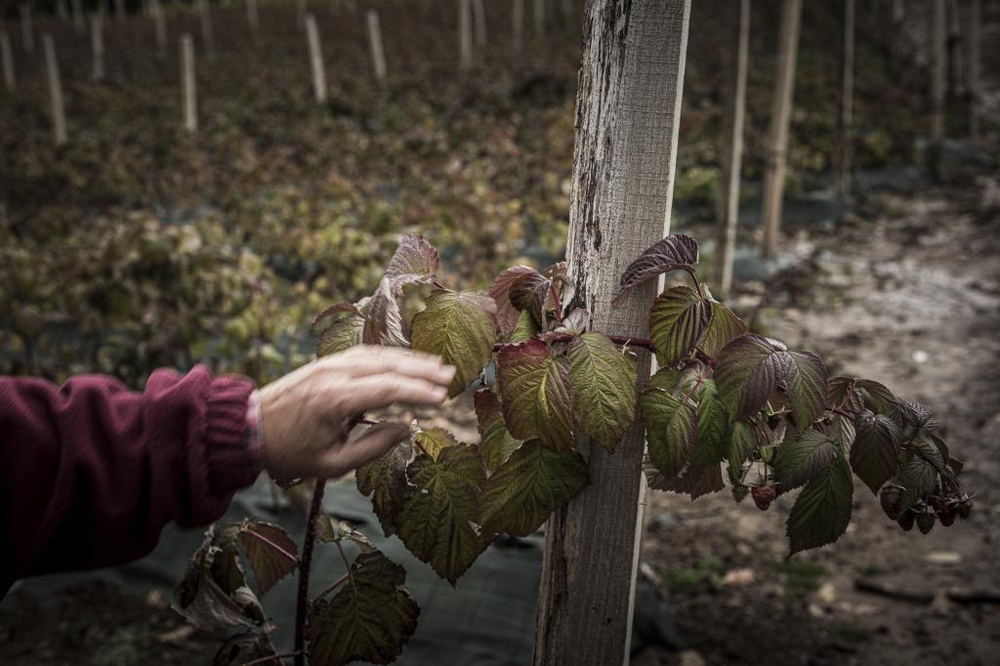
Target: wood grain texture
point(628, 112)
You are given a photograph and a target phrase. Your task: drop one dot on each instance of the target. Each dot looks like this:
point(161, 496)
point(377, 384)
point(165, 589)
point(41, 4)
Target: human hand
point(306, 415)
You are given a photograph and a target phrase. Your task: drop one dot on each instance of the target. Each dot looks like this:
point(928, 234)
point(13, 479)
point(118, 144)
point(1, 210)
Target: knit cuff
point(232, 463)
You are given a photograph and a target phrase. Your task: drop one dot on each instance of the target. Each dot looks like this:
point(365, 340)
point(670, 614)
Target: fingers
point(377, 391)
point(366, 360)
point(367, 447)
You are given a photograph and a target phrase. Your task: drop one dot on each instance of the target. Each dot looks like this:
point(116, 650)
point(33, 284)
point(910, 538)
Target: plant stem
point(278, 549)
point(694, 278)
point(264, 660)
point(841, 412)
point(302, 603)
point(333, 586)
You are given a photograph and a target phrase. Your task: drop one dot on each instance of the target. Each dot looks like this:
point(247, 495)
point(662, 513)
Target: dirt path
point(909, 295)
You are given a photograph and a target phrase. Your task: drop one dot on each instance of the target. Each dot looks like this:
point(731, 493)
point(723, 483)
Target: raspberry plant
point(722, 398)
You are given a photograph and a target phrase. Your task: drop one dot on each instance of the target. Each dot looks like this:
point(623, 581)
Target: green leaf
point(822, 510)
point(713, 426)
point(461, 328)
point(525, 328)
point(918, 479)
point(414, 256)
point(261, 541)
point(677, 322)
point(807, 388)
point(742, 444)
point(670, 430)
point(434, 441)
point(673, 252)
point(507, 314)
point(339, 327)
point(438, 523)
point(748, 372)
point(535, 393)
point(875, 452)
point(603, 381)
point(368, 619)
point(526, 489)
point(724, 327)
point(386, 478)
point(496, 443)
point(801, 459)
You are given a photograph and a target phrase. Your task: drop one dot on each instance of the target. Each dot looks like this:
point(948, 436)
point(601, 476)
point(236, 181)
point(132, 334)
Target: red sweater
point(90, 472)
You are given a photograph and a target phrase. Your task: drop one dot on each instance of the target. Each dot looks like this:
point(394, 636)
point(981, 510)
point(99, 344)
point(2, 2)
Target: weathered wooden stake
point(845, 145)
point(938, 76)
point(733, 164)
point(629, 106)
point(207, 36)
point(375, 42)
point(97, 46)
point(479, 19)
point(253, 18)
point(9, 80)
point(55, 90)
point(27, 29)
point(188, 83)
point(975, 62)
point(464, 35)
point(78, 22)
point(539, 18)
point(316, 59)
point(160, 24)
point(518, 20)
point(776, 147)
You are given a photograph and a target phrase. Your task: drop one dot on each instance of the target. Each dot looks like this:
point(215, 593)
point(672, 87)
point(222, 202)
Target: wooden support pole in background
point(207, 35)
point(464, 35)
point(316, 59)
point(539, 16)
point(27, 28)
point(300, 13)
point(97, 47)
point(253, 18)
point(938, 75)
point(55, 90)
point(776, 147)
point(375, 43)
point(629, 102)
point(733, 154)
point(62, 13)
point(975, 63)
point(9, 80)
point(78, 22)
point(120, 12)
point(188, 84)
point(956, 72)
point(479, 21)
point(518, 20)
point(845, 144)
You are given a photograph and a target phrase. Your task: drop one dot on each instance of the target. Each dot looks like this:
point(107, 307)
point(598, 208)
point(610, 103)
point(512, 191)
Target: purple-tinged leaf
point(414, 256)
point(460, 328)
point(673, 252)
point(339, 327)
point(822, 510)
point(369, 619)
point(386, 478)
point(931, 451)
point(671, 426)
point(916, 415)
point(603, 381)
point(677, 322)
point(857, 394)
point(496, 443)
point(800, 459)
point(438, 523)
point(807, 388)
point(875, 452)
point(525, 490)
point(841, 430)
point(693, 481)
point(507, 314)
point(271, 552)
point(385, 323)
point(724, 327)
point(748, 371)
point(532, 293)
point(918, 479)
point(535, 394)
point(434, 441)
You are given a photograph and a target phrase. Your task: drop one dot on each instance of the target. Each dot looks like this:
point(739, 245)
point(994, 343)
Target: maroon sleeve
point(90, 472)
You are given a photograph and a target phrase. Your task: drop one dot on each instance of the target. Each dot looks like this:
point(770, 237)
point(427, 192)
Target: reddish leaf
point(531, 293)
point(673, 252)
point(535, 392)
point(496, 442)
point(414, 256)
point(507, 314)
point(271, 552)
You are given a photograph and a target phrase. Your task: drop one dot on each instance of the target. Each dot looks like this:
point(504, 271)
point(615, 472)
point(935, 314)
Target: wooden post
point(732, 165)
point(464, 35)
point(55, 90)
point(316, 59)
point(975, 62)
point(188, 83)
point(9, 81)
point(518, 19)
point(938, 55)
point(776, 147)
point(160, 24)
point(629, 109)
point(120, 12)
point(97, 46)
point(61, 11)
point(253, 19)
point(78, 23)
point(375, 42)
point(479, 20)
point(539, 18)
point(845, 146)
point(300, 13)
point(207, 38)
point(27, 29)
